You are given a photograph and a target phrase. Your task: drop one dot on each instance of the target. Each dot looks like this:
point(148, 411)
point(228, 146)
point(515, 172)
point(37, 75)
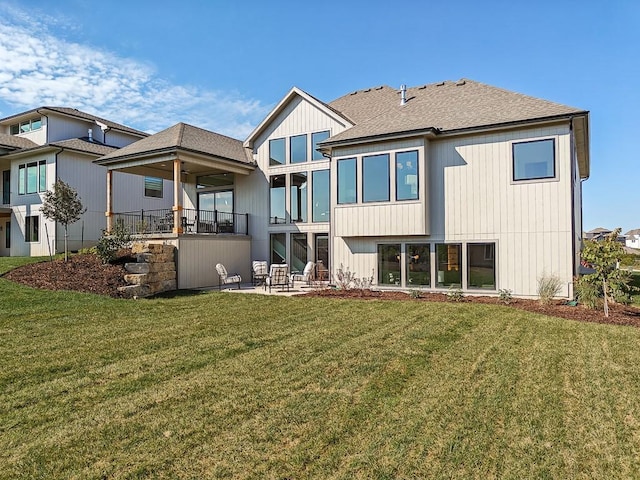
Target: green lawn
point(221, 385)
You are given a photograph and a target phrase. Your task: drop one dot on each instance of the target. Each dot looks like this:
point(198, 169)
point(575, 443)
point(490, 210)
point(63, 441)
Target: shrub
point(455, 295)
point(505, 296)
point(347, 280)
point(111, 242)
point(548, 287)
point(587, 292)
point(413, 293)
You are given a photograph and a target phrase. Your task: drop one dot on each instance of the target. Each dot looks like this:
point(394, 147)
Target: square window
point(534, 160)
point(153, 187)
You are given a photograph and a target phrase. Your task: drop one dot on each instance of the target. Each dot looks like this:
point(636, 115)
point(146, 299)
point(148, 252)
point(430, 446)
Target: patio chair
point(278, 277)
point(225, 278)
point(258, 272)
point(305, 276)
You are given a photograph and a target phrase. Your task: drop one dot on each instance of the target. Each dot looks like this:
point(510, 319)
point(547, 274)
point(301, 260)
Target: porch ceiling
point(160, 164)
point(5, 212)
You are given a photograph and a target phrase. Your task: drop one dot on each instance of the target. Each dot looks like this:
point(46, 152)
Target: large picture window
point(389, 264)
point(375, 181)
point(298, 197)
point(320, 196)
point(298, 149)
point(31, 228)
point(315, 139)
point(347, 181)
point(481, 266)
point(277, 199)
point(407, 175)
point(448, 258)
point(534, 160)
point(277, 152)
point(418, 264)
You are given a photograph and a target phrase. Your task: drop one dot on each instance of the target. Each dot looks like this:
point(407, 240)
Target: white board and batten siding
point(471, 198)
point(530, 222)
point(406, 217)
point(197, 257)
point(252, 192)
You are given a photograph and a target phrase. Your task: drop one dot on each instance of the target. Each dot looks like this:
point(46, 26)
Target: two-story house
point(48, 143)
point(446, 185)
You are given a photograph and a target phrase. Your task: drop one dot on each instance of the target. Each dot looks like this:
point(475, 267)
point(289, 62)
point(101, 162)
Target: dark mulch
point(86, 273)
point(82, 273)
point(618, 314)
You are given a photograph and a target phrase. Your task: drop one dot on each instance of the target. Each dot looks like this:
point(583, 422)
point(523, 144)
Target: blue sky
point(222, 65)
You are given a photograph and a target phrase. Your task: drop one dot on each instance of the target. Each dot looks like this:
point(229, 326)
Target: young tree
point(604, 257)
point(63, 205)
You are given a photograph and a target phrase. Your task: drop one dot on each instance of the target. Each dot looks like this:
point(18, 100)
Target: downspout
point(331, 219)
point(45, 116)
point(55, 176)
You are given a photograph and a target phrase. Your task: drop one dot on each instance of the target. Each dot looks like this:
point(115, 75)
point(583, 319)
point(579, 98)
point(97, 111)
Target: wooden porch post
point(109, 212)
point(177, 197)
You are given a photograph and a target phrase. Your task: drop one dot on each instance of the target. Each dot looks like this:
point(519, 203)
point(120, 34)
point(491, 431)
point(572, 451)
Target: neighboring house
point(42, 145)
point(633, 238)
point(447, 185)
point(600, 233)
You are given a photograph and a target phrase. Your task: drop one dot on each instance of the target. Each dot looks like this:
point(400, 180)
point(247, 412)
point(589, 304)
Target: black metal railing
point(191, 221)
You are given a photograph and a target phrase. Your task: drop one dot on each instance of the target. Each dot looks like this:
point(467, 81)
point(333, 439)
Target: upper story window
point(375, 178)
point(407, 175)
point(26, 126)
point(316, 138)
point(534, 160)
point(298, 149)
point(347, 181)
point(295, 149)
point(277, 194)
point(320, 196)
point(153, 187)
point(277, 152)
point(32, 177)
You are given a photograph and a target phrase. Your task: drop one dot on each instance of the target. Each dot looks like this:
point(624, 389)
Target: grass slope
point(221, 385)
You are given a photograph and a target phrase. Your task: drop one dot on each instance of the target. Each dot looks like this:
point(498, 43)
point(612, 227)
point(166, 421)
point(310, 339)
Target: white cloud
point(39, 68)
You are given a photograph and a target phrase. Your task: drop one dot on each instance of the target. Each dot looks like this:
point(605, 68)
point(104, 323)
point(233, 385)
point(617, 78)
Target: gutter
point(169, 150)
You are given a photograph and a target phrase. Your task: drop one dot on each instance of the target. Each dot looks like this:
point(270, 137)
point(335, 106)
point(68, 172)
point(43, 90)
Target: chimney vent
point(403, 94)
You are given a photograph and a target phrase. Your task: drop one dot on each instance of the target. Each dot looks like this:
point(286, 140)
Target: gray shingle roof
point(635, 231)
point(445, 106)
point(84, 145)
point(74, 112)
point(185, 137)
point(15, 142)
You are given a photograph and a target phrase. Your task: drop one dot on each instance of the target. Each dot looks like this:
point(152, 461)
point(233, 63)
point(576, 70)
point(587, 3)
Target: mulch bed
point(82, 273)
point(87, 273)
point(618, 314)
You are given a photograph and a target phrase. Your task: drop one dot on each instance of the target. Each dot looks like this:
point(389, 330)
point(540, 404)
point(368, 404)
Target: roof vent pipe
point(403, 94)
point(90, 135)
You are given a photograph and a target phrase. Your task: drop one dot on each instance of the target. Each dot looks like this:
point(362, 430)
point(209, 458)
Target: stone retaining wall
point(154, 271)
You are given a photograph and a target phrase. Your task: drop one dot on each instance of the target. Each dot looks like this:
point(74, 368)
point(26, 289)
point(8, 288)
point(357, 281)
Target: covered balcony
point(200, 219)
